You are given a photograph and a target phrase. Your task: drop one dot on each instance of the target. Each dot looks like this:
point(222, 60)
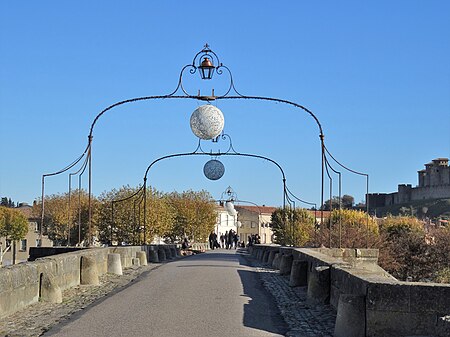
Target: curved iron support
point(79, 171)
point(112, 209)
point(328, 165)
point(367, 190)
point(68, 167)
point(192, 69)
point(202, 153)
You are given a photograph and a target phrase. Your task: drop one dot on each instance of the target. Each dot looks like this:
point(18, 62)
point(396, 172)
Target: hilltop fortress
point(434, 183)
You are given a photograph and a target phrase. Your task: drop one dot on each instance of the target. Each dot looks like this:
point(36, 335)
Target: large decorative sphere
point(229, 207)
point(207, 122)
point(213, 169)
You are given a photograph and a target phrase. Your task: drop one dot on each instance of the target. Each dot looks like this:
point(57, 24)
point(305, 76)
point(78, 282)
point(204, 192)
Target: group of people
point(253, 239)
point(228, 240)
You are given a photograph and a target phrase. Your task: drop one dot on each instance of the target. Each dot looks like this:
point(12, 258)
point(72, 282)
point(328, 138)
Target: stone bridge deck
point(220, 292)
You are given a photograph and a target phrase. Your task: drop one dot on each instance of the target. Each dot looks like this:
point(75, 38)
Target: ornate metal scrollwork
point(206, 62)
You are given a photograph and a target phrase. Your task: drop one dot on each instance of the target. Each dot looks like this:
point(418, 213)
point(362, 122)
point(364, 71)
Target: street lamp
point(206, 66)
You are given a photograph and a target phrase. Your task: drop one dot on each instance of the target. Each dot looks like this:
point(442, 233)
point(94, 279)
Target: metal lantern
point(207, 122)
point(213, 169)
point(206, 68)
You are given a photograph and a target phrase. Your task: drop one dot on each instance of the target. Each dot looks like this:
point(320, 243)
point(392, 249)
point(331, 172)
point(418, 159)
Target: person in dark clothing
point(235, 240)
point(250, 243)
point(185, 244)
point(222, 241)
point(230, 238)
point(212, 240)
point(227, 243)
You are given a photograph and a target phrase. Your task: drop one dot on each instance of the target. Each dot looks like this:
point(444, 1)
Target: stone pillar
point(266, 256)
point(286, 264)
point(89, 272)
point(271, 257)
point(276, 261)
point(299, 273)
point(161, 254)
point(351, 316)
point(260, 254)
point(254, 252)
point(319, 285)
point(174, 252)
point(142, 256)
point(114, 265)
point(49, 289)
point(168, 253)
point(153, 256)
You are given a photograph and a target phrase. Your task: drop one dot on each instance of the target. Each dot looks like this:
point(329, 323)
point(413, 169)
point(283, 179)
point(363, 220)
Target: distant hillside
point(431, 208)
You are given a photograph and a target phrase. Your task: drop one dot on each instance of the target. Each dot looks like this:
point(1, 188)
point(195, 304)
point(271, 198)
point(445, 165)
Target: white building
point(252, 220)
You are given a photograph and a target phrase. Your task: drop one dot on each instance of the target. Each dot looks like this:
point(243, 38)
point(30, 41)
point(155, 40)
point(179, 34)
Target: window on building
point(253, 224)
point(38, 243)
point(23, 245)
point(36, 227)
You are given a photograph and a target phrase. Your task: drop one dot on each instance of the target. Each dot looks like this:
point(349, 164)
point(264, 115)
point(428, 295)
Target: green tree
point(13, 226)
point(292, 226)
point(346, 202)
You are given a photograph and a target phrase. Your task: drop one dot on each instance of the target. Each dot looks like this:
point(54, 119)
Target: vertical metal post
point(90, 192)
point(68, 210)
point(79, 209)
point(42, 211)
point(321, 136)
point(331, 210)
point(145, 210)
point(340, 212)
point(367, 210)
point(112, 224)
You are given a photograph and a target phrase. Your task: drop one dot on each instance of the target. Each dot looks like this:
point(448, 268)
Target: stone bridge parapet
point(47, 277)
point(369, 301)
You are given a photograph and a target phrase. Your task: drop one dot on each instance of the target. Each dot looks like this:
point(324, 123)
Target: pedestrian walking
point(235, 239)
point(212, 240)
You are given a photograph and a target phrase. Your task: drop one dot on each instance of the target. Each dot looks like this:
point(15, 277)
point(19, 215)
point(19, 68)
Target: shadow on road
point(261, 312)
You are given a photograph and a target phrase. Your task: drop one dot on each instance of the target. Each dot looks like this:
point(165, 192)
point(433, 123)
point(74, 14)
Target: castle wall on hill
point(434, 183)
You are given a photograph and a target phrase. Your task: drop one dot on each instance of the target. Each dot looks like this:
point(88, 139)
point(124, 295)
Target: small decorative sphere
point(207, 122)
point(213, 169)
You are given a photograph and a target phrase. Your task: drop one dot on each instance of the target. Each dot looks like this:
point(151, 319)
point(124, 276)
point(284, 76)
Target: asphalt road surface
point(212, 294)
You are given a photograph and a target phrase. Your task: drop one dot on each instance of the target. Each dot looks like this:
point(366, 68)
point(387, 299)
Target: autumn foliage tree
point(13, 225)
point(167, 216)
point(348, 228)
point(411, 252)
point(292, 226)
point(66, 221)
point(195, 215)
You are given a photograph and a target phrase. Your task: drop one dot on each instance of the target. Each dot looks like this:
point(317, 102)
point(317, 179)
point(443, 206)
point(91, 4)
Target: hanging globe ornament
point(207, 122)
point(213, 169)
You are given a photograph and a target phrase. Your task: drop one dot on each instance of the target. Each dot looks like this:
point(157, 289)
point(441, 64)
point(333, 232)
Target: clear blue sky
point(377, 75)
